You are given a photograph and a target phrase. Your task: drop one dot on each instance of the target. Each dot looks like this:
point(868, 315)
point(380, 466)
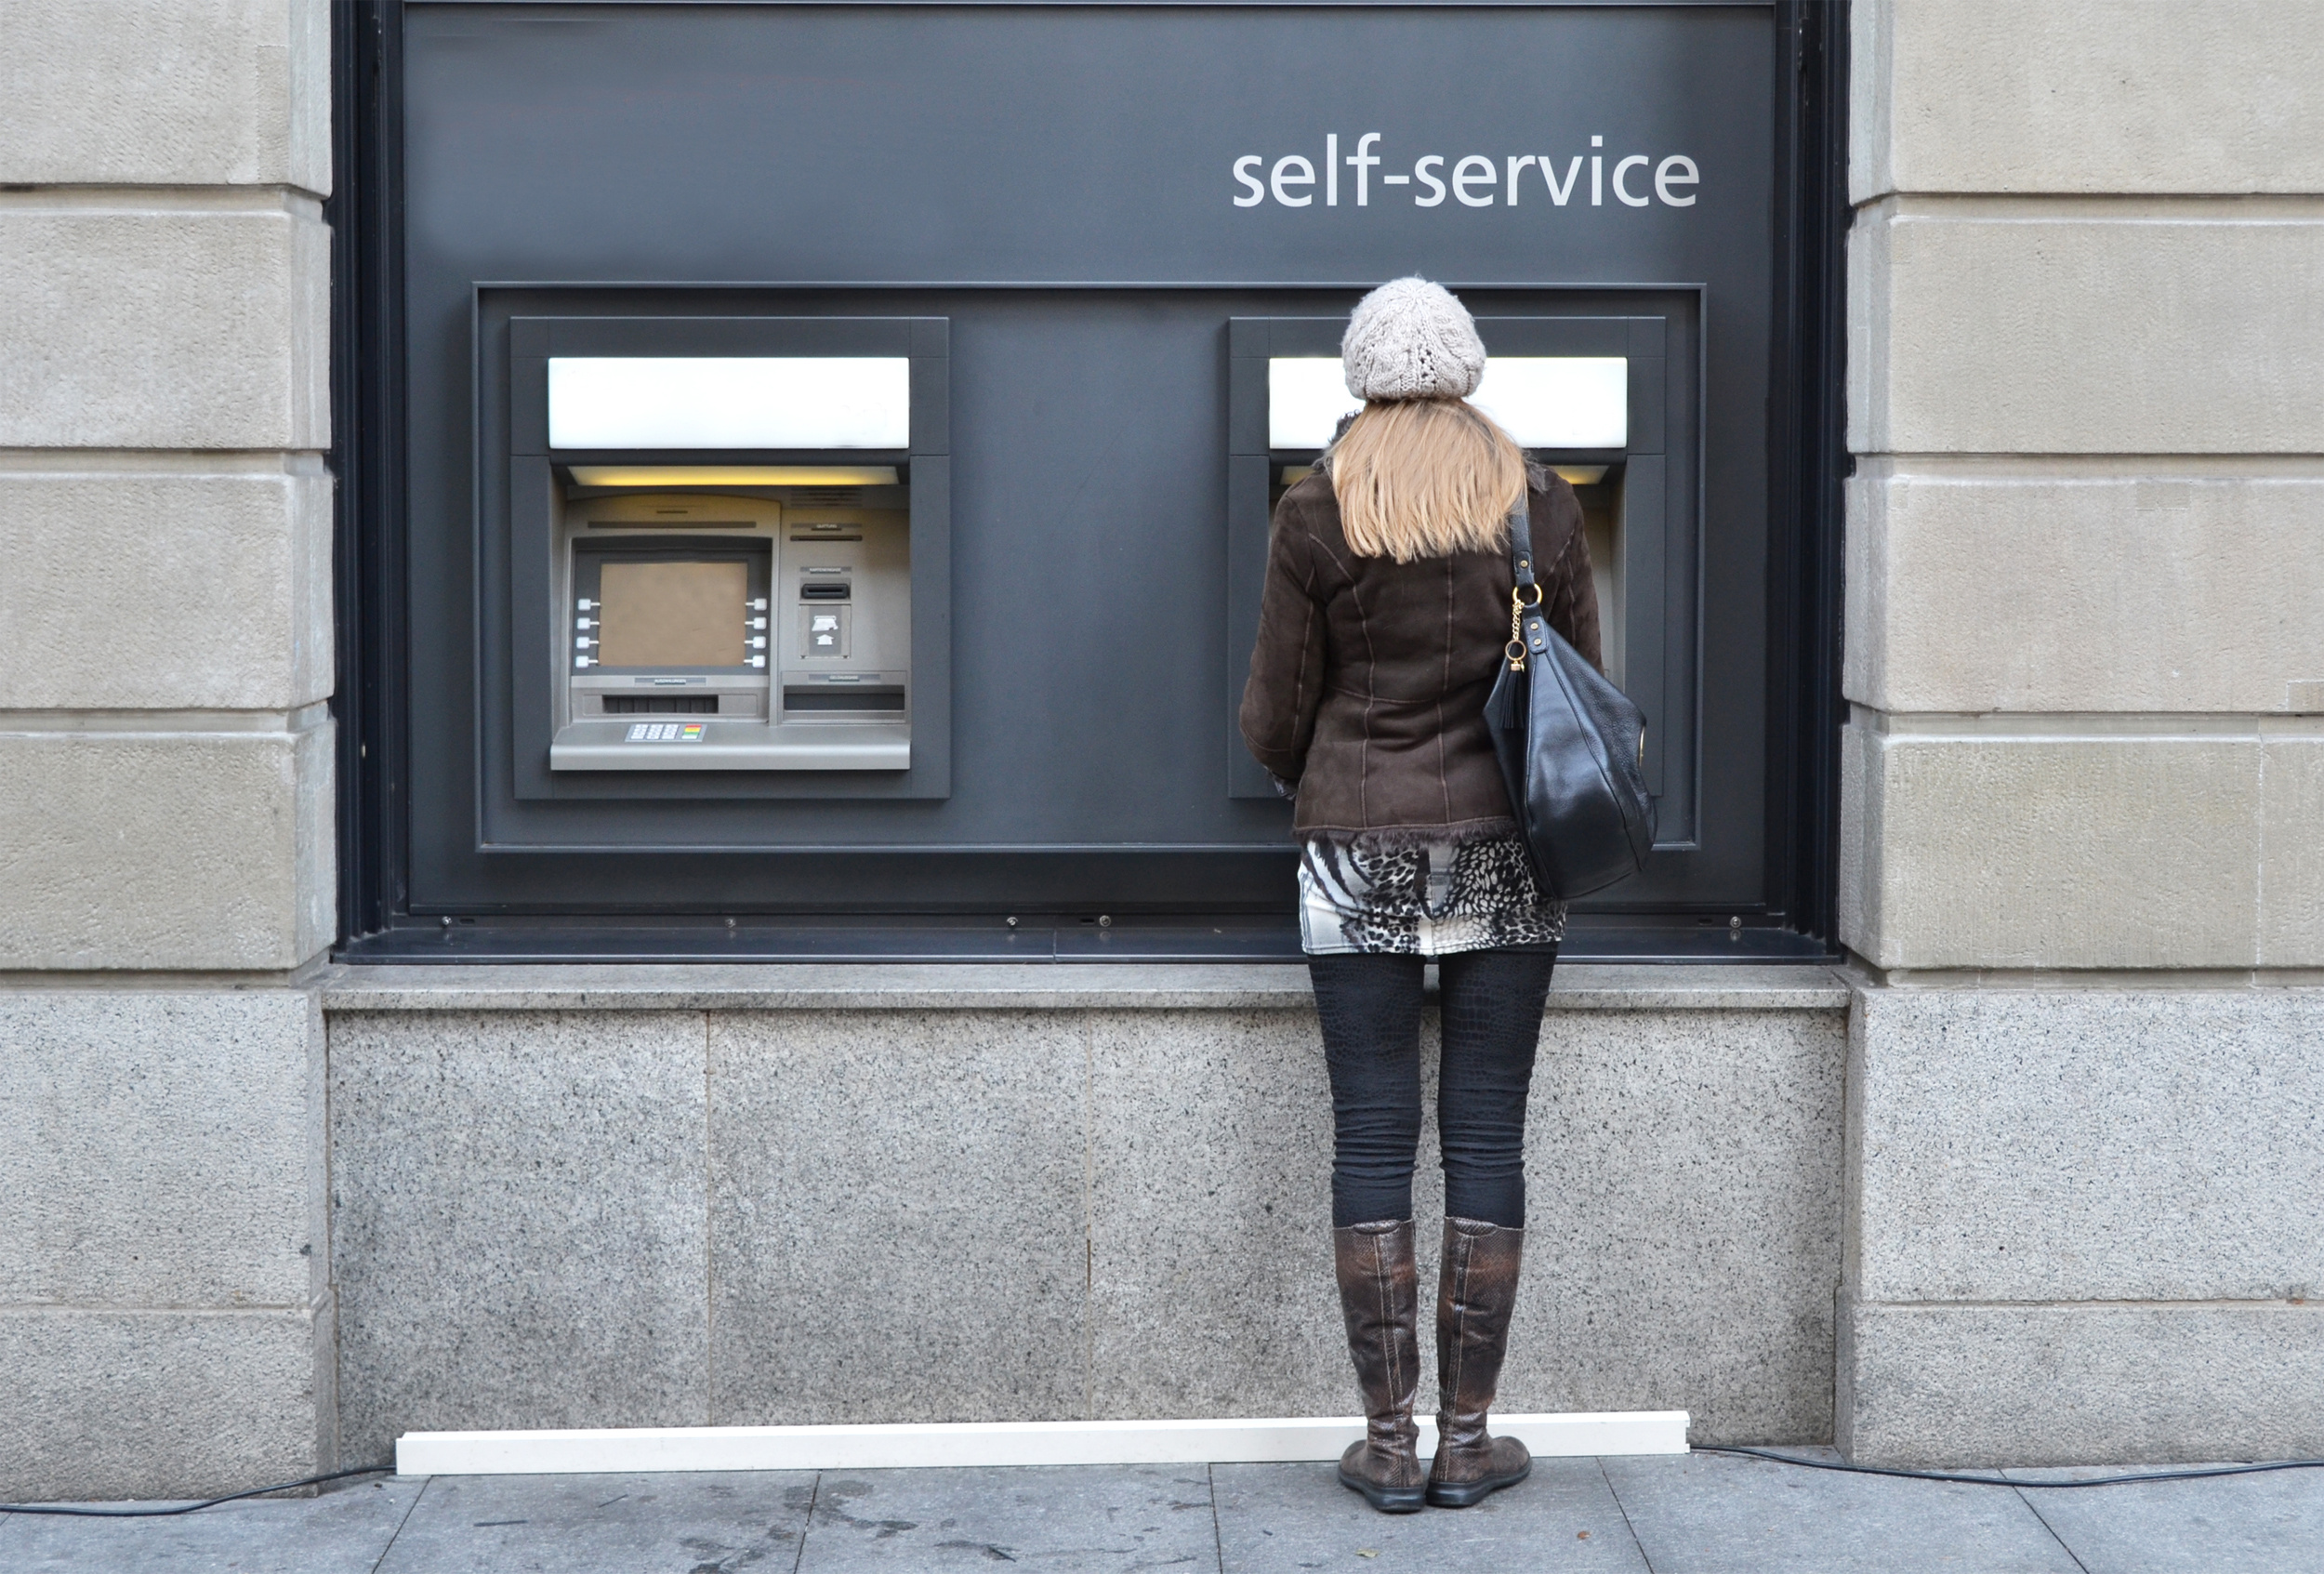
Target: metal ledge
point(1041, 938)
point(1013, 986)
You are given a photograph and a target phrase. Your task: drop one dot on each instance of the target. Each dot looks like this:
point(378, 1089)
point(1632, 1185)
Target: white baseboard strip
point(624, 1451)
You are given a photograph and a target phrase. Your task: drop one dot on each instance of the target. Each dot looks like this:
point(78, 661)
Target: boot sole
point(1466, 1494)
point(1388, 1500)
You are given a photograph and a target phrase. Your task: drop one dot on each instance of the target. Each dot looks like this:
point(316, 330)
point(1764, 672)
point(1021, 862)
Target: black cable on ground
point(77, 1512)
point(189, 1508)
point(2005, 1481)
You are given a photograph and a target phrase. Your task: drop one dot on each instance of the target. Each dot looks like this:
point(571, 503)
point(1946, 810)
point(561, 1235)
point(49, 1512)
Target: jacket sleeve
point(1286, 665)
point(1574, 598)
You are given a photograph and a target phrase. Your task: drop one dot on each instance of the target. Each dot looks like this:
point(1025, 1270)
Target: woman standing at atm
point(1381, 631)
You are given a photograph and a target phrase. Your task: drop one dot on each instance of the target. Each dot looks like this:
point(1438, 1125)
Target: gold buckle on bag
point(1518, 606)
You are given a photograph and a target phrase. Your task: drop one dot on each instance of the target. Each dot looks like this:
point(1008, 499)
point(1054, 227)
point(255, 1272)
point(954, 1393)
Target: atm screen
point(683, 613)
point(688, 606)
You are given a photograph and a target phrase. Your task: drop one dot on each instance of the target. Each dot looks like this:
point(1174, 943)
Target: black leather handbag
point(1572, 749)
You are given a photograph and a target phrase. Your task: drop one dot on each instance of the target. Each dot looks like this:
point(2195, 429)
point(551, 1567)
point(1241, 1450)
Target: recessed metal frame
point(515, 339)
point(1808, 463)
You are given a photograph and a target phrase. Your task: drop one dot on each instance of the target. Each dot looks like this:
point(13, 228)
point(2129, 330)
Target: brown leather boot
point(1379, 1291)
point(1476, 1292)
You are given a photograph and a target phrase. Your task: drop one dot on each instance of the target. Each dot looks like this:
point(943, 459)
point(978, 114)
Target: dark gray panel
point(531, 659)
point(931, 609)
point(528, 416)
point(1246, 527)
point(932, 386)
point(1646, 562)
point(731, 335)
point(1578, 334)
point(1090, 589)
point(1086, 143)
point(1650, 405)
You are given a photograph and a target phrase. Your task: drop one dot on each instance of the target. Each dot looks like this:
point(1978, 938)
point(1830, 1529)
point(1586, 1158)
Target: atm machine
point(715, 528)
point(734, 631)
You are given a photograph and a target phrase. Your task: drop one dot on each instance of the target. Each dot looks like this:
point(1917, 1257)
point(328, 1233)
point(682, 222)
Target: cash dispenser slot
point(871, 698)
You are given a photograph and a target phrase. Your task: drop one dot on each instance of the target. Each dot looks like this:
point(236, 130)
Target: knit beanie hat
point(1411, 340)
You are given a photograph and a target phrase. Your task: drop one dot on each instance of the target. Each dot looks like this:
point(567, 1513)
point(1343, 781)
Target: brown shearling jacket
point(1369, 681)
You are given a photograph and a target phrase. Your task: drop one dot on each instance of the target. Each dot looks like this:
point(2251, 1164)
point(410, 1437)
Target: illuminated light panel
point(730, 401)
point(734, 475)
point(1582, 475)
point(1542, 401)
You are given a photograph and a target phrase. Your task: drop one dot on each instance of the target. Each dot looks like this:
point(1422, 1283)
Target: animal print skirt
point(1423, 899)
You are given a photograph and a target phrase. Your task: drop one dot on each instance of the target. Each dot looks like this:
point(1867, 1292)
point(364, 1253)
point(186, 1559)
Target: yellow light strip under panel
point(734, 475)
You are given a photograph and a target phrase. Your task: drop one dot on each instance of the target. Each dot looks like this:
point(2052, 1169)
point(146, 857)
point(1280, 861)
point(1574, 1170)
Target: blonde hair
point(1426, 477)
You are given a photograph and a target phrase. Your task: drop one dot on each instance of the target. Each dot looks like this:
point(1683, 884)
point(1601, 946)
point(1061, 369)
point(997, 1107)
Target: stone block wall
point(165, 800)
point(2083, 773)
point(646, 1213)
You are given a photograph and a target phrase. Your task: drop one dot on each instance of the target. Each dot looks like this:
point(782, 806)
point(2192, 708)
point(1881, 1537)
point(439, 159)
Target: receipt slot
point(723, 530)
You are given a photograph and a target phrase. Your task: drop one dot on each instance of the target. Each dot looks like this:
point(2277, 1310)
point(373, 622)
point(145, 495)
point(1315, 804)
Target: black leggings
point(1370, 1007)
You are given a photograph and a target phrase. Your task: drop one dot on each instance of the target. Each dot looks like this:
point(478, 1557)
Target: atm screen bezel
point(588, 558)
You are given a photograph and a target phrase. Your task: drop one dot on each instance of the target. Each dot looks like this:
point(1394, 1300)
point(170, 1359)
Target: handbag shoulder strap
point(1523, 609)
point(1520, 539)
